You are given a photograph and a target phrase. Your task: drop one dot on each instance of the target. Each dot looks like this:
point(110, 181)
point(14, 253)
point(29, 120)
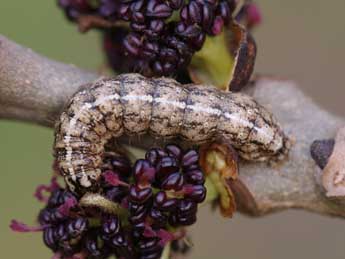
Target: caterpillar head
point(83, 182)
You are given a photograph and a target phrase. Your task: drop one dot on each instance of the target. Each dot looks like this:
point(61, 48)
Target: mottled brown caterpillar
point(132, 104)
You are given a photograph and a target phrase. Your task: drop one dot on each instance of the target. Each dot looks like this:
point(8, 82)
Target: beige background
point(302, 40)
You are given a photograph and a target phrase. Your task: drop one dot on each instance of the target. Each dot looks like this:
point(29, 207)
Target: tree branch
point(34, 89)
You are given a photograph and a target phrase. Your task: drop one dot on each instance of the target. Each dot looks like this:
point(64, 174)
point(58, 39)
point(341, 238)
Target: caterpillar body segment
point(132, 104)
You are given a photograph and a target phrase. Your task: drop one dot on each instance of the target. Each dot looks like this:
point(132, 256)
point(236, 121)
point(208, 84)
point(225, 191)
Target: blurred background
point(299, 39)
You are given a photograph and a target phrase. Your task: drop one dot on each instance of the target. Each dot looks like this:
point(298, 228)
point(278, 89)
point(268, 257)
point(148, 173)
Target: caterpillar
point(132, 104)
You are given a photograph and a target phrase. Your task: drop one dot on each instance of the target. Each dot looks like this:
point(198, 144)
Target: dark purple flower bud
point(174, 181)
point(152, 156)
point(164, 203)
point(116, 56)
point(55, 198)
point(224, 11)
point(187, 207)
point(136, 209)
point(77, 227)
point(156, 26)
point(150, 50)
point(187, 220)
point(107, 10)
point(166, 166)
point(158, 9)
point(138, 17)
point(148, 243)
point(160, 219)
point(56, 216)
point(124, 12)
point(160, 198)
point(187, 31)
point(50, 216)
point(184, 15)
point(137, 5)
point(122, 166)
point(137, 218)
point(194, 12)
point(175, 4)
point(196, 193)
point(143, 171)
point(132, 43)
point(60, 233)
point(49, 238)
point(190, 158)
point(116, 193)
point(174, 150)
point(124, 248)
point(198, 42)
point(194, 176)
point(44, 217)
point(139, 195)
point(110, 226)
point(168, 55)
point(92, 246)
point(138, 27)
point(119, 240)
point(208, 17)
point(191, 167)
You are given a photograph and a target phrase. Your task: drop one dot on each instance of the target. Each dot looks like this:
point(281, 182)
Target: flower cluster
point(154, 200)
point(159, 37)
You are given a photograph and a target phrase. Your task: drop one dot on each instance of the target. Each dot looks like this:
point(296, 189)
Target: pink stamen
point(113, 179)
point(165, 237)
point(65, 208)
point(254, 16)
point(17, 226)
point(39, 193)
point(217, 25)
point(41, 189)
point(149, 232)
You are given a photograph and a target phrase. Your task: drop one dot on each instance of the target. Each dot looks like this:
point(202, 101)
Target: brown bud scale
point(132, 104)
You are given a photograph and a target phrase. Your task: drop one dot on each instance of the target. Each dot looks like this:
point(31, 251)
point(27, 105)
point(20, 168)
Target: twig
point(34, 88)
